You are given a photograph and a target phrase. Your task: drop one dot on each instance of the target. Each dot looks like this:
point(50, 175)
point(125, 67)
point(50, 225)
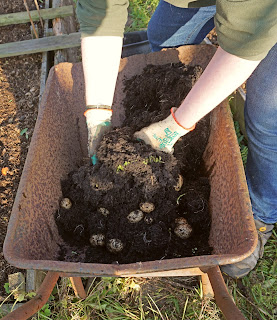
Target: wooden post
point(238, 109)
point(34, 305)
point(62, 27)
point(45, 65)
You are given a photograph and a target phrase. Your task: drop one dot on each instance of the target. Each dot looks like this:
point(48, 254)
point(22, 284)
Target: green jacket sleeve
point(102, 17)
point(246, 28)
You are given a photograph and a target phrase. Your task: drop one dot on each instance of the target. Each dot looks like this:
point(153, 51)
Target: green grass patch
point(140, 13)
point(256, 294)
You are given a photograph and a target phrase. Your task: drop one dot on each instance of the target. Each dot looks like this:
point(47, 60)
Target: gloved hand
point(163, 135)
point(98, 122)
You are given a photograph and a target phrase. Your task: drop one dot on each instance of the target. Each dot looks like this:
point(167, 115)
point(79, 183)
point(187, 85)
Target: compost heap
point(138, 204)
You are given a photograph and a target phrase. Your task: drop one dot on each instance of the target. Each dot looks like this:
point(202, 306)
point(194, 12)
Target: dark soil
point(129, 173)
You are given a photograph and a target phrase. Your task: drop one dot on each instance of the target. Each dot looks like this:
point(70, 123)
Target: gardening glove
point(98, 122)
point(163, 135)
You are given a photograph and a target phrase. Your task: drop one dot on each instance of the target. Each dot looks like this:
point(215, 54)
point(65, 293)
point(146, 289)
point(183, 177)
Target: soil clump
point(135, 198)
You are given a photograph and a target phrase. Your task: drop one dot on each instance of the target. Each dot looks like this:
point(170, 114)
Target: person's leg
point(261, 168)
point(261, 126)
point(171, 26)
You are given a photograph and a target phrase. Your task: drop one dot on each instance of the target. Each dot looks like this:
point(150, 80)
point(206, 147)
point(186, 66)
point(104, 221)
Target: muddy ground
point(19, 92)
point(107, 199)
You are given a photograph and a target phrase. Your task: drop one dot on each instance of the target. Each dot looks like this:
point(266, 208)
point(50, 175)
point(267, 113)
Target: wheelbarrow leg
point(78, 287)
point(207, 287)
point(222, 296)
point(34, 305)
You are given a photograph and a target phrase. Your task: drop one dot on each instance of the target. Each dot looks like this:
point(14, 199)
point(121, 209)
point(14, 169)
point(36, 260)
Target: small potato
point(115, 245)
point(181, 220)
point(97, 240)
point(183, 230)
point(179, 183)
point(66, 203)
point(135, 216)
point(148, 219)
point(103, 211)
point(147, 207)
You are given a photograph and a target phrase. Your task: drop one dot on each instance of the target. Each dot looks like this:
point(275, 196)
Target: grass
point(167, 298)
point(256, 294)
point(140, 12)
point(131, 298)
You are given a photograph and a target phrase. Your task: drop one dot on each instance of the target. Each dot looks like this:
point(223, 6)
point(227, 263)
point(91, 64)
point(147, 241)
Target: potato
point(148, 219)
point(182, 230)
point(147, 207)
point(179, 183)
point(103, 211)
point(115, 245)
point(97, 240)
point(135, 216)
point(66, 203)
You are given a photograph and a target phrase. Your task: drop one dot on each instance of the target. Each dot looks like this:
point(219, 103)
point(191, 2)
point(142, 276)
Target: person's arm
point(223, 75)
point(100, 59)
point(102, 26)
point(246, 31)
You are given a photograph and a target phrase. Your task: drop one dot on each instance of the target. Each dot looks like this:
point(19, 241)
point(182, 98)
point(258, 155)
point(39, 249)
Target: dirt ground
point(107, 198)
point(19, 96)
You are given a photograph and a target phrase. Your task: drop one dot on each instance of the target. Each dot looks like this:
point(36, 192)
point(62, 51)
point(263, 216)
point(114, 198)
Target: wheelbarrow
point(59, 145)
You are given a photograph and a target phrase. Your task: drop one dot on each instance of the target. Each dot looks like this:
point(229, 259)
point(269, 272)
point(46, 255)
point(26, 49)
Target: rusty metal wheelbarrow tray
point(59, 146)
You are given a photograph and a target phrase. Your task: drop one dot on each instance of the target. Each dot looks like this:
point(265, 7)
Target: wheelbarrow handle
point(223, 299)
point(34, 305)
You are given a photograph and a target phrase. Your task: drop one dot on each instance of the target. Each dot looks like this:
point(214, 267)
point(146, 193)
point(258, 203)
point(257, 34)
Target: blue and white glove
point(164, 134)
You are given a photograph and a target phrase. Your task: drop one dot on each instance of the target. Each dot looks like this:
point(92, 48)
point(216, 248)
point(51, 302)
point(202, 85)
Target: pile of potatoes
point(182, 229)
